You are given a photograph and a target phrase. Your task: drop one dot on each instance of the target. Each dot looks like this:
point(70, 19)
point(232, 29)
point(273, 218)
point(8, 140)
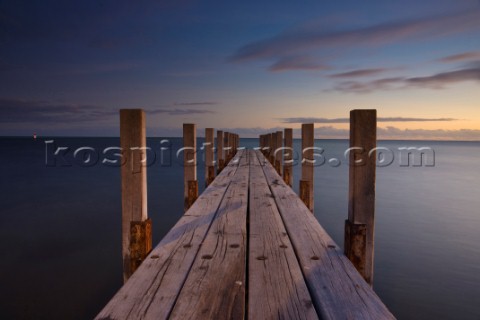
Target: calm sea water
point(60, 227)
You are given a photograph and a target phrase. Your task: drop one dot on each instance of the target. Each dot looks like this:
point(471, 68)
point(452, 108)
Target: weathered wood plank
point(152, 290)
point(276, 288)
point(209, 162)
point(338, 290)
point(361, 195)
point(134, 180)
point(215, 287)
point(308, 142)
point(288, 157)
point(190, 164)
point(220, 151)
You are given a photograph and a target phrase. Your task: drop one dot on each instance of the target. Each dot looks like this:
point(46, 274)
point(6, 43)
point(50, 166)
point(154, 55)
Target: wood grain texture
point(288, 157)
point(220, 151)
point(134, 177)
point(215, 287)
point(337, 289)
point(362, 171)
point(189, 163)
point(279, 153)
point(209, 159)
point(308, 142)
point(276, 287)
point(152, 290)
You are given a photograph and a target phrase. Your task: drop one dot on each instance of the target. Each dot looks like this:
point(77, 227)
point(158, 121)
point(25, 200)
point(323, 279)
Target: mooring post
point(190, 164)
point(268, 146)
point(220, 157)
point(274, 148)
point(136, 227)
point(235, 144)
point(359, 228)
point(262, 143)
point(288, 157)
point(227, 147)
point(209, 161)
point(306, 183)
point(279, 153)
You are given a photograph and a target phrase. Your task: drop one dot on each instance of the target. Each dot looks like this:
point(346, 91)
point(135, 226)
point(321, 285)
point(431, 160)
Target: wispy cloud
point(196, 103)
point(347, 120)
point(292, 42)
point(178, 111)
point(383, 133)
point(359, 73)
point(297, 63)
point(436, 81)
point(46, 112)
point(28, 111)
point(465, 56)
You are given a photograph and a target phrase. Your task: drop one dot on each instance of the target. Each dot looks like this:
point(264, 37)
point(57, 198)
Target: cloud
point(379, 119)
point(201, 103)
point(423, 134)
point(178, 111)
point(383, 133)
point(24, 111)
point(291, 42)
point(297, 63)
point(436, 81)
point(45, 112)
point(465, 56)
point(359, 73)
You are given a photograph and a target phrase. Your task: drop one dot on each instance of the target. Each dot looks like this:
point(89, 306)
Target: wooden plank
point(338, 290)
point(134, 178)
point(308, 142)
point(276, 288)
point(288, 157)
point(209, 161)
point(190, 164)
point(361, 196)
point(152, 290)
point(215, 287)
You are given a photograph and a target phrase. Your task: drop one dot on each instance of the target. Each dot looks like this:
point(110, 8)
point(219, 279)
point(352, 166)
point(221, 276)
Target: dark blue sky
point(66, 68)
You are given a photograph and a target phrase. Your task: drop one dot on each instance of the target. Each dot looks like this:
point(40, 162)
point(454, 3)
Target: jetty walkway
point(247, 248)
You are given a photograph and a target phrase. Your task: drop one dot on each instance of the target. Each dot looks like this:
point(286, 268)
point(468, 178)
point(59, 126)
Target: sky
point(251, 67)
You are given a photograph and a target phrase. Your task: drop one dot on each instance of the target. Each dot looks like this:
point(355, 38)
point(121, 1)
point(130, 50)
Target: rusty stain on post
point(140, 242)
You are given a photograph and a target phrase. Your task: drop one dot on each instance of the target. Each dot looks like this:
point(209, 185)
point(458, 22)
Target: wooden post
point(359, 228)
point(306, 183)
point(268, 146)
point(190, 164)
point(274, 147)
point(136, 227)
point(279, 153)
point(262, 143)
point(220, 156)
point(288, 166)
point(209, 162)
point(227, 147)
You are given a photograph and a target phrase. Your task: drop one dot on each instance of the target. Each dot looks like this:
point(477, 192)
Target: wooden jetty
point(250, 248)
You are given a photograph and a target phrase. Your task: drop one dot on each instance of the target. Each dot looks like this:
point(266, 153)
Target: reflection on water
point(60, 227)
